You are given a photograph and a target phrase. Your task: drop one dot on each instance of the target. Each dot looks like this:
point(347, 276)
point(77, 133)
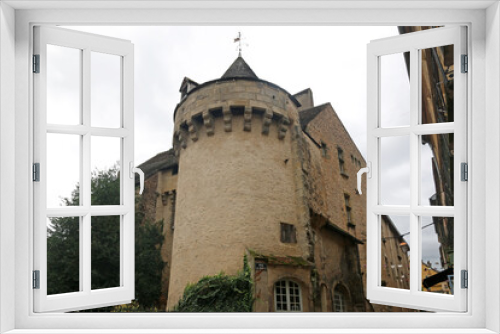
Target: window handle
point(134, 170)
point(368, 171)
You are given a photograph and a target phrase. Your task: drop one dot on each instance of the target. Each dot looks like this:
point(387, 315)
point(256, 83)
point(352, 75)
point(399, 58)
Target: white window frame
point(287, 294)
point(414, 297)
point(483, 20)
point(85, 298)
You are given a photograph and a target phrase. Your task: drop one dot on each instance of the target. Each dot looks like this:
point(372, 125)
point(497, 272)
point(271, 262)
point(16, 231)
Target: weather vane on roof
point(239, 40)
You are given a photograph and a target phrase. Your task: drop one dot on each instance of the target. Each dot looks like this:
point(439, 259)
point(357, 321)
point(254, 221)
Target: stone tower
point(240, 176)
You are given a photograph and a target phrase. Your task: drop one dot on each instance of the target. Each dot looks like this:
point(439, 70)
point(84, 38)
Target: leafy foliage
point(135, 307)
point(63, 246)
point(219, 293)
point(148, 264)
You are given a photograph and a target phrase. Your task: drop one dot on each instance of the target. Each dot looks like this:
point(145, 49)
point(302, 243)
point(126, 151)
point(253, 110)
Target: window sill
point(262, 331)
point(344, 175)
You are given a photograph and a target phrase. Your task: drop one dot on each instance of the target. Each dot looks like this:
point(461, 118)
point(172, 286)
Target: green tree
point(63, 245)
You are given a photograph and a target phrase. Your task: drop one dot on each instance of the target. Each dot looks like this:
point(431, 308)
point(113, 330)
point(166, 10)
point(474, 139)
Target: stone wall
point(167, 184)
point(337, 263)
point(326, 134)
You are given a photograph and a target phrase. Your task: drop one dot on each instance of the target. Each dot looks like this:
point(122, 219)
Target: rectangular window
point(324, 150)
point(288, 233)
point(348, 210)
point(341, 160)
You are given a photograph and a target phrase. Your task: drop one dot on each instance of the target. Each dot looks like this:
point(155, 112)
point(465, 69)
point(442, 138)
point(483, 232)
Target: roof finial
point(239, 39)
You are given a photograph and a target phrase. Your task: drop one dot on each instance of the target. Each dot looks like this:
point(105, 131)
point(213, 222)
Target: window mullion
point(414, 169)
point(288, 303)
point(85, 191)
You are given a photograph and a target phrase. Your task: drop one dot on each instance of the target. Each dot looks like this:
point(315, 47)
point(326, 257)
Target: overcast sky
point(329, 60)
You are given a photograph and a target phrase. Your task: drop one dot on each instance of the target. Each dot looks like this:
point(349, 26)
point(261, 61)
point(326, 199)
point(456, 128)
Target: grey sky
point(329, 60)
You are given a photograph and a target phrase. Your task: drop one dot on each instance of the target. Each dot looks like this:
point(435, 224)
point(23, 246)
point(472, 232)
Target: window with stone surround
point(339, 299)
point(324, 149)
point(341, 161)
point(287, 296)
point(288, 233)
point(348, 210)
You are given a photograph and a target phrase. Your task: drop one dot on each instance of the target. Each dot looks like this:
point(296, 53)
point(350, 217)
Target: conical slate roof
point(239, 69)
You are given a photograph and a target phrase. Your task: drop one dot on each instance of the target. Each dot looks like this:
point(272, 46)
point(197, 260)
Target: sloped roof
point(160, 161)
point(185, 81)
point(307, 115)
point(239, 69)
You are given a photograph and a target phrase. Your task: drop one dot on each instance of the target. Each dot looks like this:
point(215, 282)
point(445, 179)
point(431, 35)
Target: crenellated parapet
point(233, 105)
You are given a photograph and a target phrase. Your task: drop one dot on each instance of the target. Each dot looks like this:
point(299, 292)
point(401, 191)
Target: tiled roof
point(307, 115)
point(160, 161)
point(239, 69)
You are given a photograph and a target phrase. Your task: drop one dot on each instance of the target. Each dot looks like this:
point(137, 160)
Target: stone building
point(257, 171)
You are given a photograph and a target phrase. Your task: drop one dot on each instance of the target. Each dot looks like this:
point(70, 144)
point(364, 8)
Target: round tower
point(240, 176)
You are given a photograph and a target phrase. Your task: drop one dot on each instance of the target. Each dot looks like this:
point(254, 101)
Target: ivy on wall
point(219, 293)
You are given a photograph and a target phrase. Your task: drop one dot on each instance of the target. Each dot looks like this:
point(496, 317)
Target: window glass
point(106, 165)
point(437, 254)
point(394, 90)
point(437, 99)
point(63, 170)
point(105, 90)
point(395, 170)
point(63, 255)
point(63, 85)
point(394, 252)
point(437, 169)
point(105, 247)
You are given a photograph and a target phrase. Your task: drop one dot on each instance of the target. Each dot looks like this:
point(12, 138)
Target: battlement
point(235, 105)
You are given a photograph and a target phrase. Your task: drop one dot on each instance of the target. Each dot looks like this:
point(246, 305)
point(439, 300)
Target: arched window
point(287, 296)
point(339, 299)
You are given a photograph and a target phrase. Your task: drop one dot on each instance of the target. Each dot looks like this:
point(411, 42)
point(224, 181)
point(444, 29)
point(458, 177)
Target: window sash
point(291, 289)
point(86, 297)
point(412, 43)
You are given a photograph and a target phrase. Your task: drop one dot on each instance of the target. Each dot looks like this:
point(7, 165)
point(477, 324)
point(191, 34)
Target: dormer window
point(187, 86)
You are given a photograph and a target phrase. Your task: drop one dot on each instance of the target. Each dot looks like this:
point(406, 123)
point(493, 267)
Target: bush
point(219, 293)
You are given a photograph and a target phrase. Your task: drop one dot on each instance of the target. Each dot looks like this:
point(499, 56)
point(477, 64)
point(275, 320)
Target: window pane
point(395, 170)
point(63, 170)
point(394, 90)
point(105, 90)
point(437, 254)
point(437, 84)
point(63, 85)
point(437, 171)
point(63, 255)
point(105, 255)
point(395, 270)
point(106, 166)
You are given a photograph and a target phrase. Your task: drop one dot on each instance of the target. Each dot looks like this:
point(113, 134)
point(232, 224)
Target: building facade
point(257, 171)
